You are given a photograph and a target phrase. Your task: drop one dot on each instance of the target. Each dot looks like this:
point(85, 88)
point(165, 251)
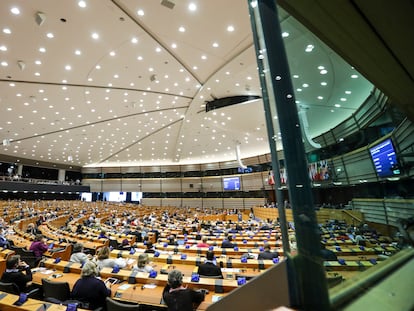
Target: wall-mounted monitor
point(385, 159)
point(231, 183)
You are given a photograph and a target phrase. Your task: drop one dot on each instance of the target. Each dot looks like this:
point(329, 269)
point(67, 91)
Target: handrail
point(352, 216)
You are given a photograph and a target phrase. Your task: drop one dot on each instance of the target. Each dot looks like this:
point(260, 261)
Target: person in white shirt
point(78, 255)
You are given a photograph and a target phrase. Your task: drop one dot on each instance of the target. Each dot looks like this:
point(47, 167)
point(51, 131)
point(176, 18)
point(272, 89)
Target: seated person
point(267, 253)
point(3, 240)
point(124, 245)
point(39, 246)
point(78, 255)
point(103, 260)
point(102, 235)
point(327, 254)
point(90, 290)
point(172, 241)
point(203, 243)
point(178, 297)
point(143, 264)
point(208, 268)
point(14, 273)
point(150, 248)
point(31, 229)
point(227, 243)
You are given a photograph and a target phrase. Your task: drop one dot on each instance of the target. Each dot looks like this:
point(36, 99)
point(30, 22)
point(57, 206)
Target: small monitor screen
point(385, 159)
point(231, 183)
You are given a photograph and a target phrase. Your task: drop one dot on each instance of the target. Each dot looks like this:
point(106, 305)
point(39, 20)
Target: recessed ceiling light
point(38, 62)
point(68, 67)
point(305, 85)
point(15, 11)
point(348, 92)
point(140, 12)
point(295, 76)
point(354, 76)
point(112, 53)
point(4, 64)
point(3, 48)
point(95, 35)
point(158, 50)
point(323, 72)
point(78, 52)
point(320, 97)
point(230, 28)
point(324, 83)
point(174, 46)
point(42, 50)
point(215, 45)
point(82, 4)
point(134, 40)
point(285, 34)
point(192, 7)
point(50, 35)
point(309, 48)
point(337, 105)
point(343, 99)
point(181, 29)
point(321, 67)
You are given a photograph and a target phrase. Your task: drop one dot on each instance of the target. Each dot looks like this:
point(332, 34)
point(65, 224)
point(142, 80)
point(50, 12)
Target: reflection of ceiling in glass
point(125, 82)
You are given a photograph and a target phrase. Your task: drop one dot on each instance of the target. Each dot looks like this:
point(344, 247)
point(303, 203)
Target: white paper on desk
point(46, 272)
point(150, 286)
point(230, 270)
point(124, 286)
point(216, 298)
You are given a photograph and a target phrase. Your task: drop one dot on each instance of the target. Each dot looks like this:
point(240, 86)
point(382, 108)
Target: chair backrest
point(112, 305)
point(10, 288)
point(57, 290)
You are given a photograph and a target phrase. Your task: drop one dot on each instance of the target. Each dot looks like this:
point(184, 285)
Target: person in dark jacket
point(14, 273)
point(327, 254)
point(178, 297)
point(227, 242)
point(267, 253)
point(208, 268)
point(90, 290)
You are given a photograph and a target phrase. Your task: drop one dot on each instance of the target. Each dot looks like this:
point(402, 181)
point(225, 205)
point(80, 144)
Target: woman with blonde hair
point(143, 264)
point(103, 260)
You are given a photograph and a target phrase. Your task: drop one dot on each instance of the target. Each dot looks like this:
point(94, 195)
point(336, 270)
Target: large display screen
point(136, 196)
point(385, 159)
point(114, 196)
point(231, 183)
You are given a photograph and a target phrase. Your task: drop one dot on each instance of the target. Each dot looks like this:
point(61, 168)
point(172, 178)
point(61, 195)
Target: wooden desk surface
point(7, 300)
point(145, 291)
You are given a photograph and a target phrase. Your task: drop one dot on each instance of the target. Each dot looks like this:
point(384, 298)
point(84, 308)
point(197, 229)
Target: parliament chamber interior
point(255, 154)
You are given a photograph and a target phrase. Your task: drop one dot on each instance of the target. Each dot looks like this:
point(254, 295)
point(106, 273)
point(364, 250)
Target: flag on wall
point(271, 178)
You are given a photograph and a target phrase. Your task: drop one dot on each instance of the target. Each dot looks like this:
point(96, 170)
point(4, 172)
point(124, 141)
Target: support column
point(308, 270)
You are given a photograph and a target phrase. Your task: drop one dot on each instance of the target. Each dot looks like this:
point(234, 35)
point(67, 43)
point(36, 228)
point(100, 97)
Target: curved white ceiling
point(135, 94)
